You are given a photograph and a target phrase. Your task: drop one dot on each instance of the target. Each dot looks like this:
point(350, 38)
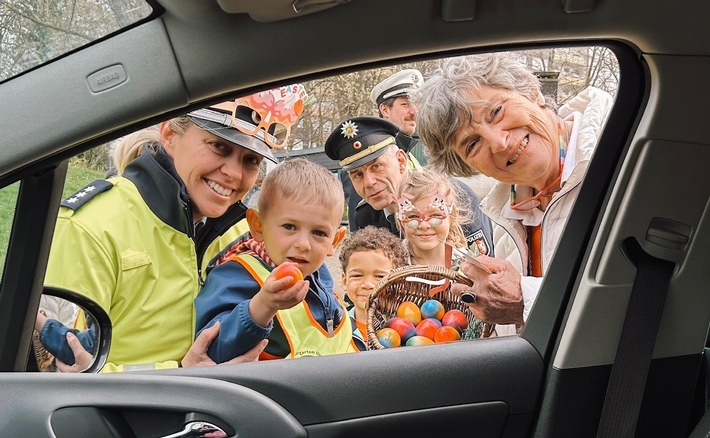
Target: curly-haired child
point(366, 257)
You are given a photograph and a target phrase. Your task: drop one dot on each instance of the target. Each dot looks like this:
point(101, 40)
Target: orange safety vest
point(306, 337)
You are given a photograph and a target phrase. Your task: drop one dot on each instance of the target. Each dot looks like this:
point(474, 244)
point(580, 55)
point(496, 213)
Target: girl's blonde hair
point(422, 184)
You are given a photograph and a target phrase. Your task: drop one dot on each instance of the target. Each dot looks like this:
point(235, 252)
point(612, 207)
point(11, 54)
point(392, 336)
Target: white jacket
point(589, 110)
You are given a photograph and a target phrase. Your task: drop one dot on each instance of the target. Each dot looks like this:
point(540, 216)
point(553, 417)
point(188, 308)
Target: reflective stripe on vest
point(306, 337)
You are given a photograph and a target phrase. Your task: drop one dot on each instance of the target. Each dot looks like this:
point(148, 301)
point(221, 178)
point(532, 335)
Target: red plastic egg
point(456, 319)
point(404, 327)
point(427, 327)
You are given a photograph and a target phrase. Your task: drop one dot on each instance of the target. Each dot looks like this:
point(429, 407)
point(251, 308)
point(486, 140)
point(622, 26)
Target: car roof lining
point(189, 68)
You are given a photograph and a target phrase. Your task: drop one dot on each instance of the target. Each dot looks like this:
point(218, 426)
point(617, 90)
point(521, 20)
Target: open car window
point(563, 72)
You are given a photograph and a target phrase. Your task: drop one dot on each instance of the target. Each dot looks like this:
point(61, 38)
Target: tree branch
point(38, 21)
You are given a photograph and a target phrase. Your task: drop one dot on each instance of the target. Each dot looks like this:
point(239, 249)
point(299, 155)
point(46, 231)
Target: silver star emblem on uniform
point(90, 189)
point(81, 194)
point(71, 200)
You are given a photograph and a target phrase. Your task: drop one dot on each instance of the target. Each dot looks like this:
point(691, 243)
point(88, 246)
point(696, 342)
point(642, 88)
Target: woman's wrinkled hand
point(499, 296)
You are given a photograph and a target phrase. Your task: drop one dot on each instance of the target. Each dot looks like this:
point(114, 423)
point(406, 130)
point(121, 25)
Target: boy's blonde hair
point(422, 184)
point(373, 238)
point(305, 181)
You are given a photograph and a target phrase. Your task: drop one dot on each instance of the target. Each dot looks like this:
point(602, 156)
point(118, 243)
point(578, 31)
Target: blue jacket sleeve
point(225, 297)
point(53, 337)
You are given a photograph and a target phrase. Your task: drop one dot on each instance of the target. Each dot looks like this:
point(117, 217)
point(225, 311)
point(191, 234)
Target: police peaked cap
point(360, 140)
point(399, 84)
point(218, 120)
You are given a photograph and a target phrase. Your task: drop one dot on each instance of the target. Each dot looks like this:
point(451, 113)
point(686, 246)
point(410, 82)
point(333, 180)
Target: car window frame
point(556, 290)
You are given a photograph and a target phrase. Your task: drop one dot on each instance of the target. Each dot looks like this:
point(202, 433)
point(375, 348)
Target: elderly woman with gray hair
point(486, 114)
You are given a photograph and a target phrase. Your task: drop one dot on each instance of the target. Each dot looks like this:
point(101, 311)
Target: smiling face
point(216, 173)
point(364, 270)
point(433, 228)
point(291, 232)
point(510, 138)
point(402, 113)
point(378, 181)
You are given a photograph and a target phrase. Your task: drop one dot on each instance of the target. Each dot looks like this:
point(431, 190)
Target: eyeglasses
point(275, 111)
point(413, 220)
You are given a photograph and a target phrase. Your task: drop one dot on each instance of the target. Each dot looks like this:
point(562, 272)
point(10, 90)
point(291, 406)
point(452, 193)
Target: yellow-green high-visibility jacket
point(128, 244)
point(413, 163)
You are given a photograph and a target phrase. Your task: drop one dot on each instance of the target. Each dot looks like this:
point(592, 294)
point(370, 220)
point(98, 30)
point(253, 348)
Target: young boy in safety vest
point(298, 222)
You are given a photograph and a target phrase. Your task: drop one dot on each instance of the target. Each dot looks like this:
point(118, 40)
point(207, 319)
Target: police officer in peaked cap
point(391, 96)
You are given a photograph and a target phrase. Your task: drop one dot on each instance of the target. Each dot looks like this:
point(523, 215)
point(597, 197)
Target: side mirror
point(66, 310)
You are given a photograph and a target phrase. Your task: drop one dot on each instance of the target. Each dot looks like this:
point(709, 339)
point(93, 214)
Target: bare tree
point(36, 31)
point(337, 98)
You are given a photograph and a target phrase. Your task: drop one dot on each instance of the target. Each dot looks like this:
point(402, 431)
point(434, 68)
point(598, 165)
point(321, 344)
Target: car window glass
point(563, 73)
point(35, 32)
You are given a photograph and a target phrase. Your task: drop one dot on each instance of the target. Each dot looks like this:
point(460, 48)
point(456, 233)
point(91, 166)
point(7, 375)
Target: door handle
point(199, 429)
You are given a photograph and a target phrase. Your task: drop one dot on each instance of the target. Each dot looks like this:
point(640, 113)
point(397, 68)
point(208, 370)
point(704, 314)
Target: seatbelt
point(629, 372)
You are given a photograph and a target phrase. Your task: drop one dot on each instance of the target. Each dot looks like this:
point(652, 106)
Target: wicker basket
point(399, 286)
point(45, 361)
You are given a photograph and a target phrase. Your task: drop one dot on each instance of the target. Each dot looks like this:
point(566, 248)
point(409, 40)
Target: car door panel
point(141, 406)
point(487, 388)
point(471, 380)
point(660, 200)
point(487, 419)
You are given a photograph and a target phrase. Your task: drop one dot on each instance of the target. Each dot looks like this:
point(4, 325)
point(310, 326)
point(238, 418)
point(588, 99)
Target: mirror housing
point(96, 314)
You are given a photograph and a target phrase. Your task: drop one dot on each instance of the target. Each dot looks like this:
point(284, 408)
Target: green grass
point(77, 177)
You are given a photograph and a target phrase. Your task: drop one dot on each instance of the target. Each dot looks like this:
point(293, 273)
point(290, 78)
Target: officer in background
point(368, 150)
point(391, 96)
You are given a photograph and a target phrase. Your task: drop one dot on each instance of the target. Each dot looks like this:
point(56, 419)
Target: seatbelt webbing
point(629, 372)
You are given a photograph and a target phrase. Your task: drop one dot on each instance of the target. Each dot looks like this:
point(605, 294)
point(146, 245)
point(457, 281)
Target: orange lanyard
point(535, 245)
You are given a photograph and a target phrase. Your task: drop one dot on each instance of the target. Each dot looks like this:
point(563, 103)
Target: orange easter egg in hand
point(410, 311)
point(286, 270)
point(446, 333)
